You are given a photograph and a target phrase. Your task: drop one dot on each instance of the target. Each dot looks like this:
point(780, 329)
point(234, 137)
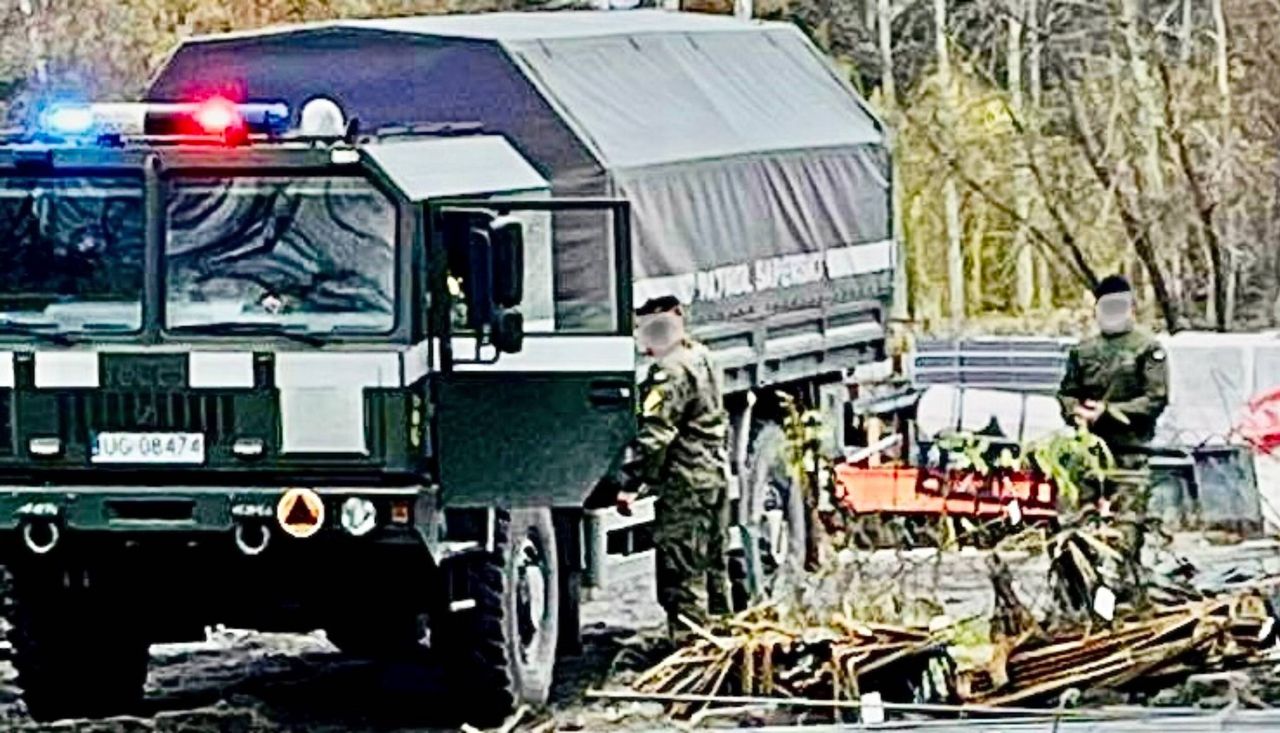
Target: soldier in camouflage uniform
point(1116, 383)
point(679, 456)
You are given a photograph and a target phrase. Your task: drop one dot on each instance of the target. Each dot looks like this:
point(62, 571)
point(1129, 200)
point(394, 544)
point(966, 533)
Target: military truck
point(334, 330)
point(759, 184)
point(234, 390)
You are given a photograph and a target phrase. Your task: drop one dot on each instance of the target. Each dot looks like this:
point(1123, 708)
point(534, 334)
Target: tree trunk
point(1185, 48)
point(884, 32)
point(1147, 132)
point(1035, 72)
point(1205, 233)
point(1225, 166)
point(925, 308)
point(1035, 85)
point(1211, 272)
point(950, 198)
point(1269, 235)
point(888, 92)
point(1152, 191)
point(977, 277)
point(1184, 34)
point(1176, 287)
point(1025, 275)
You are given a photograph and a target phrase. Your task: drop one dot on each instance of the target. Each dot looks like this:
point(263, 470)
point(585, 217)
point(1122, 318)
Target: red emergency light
point(216, 117)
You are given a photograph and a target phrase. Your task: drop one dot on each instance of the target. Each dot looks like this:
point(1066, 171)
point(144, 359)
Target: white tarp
point(1021, 416)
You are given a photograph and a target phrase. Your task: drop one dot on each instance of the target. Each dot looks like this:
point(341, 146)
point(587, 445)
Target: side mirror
point(508, 331)
point(487, 253)
point(478, 284)
point(506, 238)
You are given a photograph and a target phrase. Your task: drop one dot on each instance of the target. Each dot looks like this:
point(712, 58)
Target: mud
point(241, 681)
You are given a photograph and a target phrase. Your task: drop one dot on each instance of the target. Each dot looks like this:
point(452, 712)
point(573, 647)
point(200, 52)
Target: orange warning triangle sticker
point(300, 512)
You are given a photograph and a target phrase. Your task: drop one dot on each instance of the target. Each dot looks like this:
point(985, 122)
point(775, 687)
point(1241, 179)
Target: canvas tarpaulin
point(760, 182)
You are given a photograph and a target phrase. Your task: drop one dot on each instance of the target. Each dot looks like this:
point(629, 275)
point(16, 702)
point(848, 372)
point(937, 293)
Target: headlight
point(45, 446)
point(249, 447)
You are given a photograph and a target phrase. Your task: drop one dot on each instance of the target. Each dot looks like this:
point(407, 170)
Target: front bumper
point(402, 513)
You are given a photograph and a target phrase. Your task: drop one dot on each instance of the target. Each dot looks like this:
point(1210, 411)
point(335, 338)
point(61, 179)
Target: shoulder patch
point(652, 402)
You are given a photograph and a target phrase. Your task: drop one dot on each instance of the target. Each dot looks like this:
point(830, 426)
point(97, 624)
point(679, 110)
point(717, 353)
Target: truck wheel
point(76, 650)
point(773, 507)
point(502, 651)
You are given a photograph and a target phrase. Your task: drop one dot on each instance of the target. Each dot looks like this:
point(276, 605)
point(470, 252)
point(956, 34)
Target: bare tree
point(1224, 167)
point(1022, 184)
point(951, 201)
point(888, 93)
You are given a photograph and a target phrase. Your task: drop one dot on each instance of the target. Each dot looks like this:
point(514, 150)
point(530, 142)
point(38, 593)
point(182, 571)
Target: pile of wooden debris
point(1227, 632)
point(1102, 632)
point(1140, 630)
point(757, 653)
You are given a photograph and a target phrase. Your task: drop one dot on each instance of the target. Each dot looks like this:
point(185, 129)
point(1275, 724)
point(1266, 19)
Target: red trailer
point(919, 496)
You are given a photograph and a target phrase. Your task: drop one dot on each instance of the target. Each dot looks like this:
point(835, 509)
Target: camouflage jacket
point(1130, 373)
point(683, 426)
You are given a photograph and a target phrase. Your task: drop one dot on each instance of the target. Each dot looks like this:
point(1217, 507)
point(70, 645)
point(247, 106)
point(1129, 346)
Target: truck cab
point(293, 378)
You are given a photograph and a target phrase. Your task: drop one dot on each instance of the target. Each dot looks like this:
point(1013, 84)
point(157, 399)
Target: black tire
point(769, 485)
point(499, 655)
point(78, 653)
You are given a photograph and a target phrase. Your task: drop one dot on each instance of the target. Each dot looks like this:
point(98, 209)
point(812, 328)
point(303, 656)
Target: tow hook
point(251, 533)
point(40, 536)
point(40, 532)
point(252, 537)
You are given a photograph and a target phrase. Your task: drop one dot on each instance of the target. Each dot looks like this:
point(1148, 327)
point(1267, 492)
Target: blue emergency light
point(69, 120)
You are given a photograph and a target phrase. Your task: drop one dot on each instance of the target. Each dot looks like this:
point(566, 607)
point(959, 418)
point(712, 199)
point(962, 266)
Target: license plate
point(148, 448)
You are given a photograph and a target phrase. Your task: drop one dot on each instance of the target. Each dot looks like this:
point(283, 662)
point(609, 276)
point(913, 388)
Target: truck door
point(541, 426)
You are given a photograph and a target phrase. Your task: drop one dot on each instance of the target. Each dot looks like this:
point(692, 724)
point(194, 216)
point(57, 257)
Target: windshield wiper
point(96, 326)
point(250, 328)
point(345, 330)
point(38, 330)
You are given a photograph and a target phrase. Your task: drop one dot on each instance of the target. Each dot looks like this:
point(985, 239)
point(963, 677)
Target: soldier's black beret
point(661, 304)
point(1111, 285)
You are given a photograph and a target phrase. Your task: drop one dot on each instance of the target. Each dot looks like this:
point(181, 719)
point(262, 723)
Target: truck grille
point(87, 413)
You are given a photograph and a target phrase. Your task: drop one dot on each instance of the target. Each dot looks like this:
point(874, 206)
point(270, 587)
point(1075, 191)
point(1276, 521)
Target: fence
point(1014, 364)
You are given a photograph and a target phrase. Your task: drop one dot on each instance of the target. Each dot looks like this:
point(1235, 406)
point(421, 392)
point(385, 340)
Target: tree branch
point(1205, 203)
point(1138, 233)
point(1065, 230)
point(1077, 264)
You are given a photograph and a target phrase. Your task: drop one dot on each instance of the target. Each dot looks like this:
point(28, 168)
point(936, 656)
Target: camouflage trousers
point(718, 590)
point(1128, 494)
point(689, 534)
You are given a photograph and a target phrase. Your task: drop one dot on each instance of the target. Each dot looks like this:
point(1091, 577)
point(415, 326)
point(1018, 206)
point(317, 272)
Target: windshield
point(313, 254)
point(71, 253)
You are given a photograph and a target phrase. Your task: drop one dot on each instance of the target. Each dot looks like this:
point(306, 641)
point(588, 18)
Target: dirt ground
point(244, 681)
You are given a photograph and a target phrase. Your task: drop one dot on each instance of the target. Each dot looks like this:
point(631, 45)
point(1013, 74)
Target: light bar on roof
point(218, 118)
